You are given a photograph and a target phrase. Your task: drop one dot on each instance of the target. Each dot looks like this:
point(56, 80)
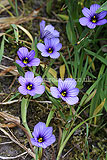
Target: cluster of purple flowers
point(32, 85)
point(51, 44)
point(66, 89)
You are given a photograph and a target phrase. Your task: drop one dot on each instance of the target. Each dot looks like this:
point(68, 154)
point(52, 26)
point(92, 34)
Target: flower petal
point(70, 83)
point(47, 43)
point(102, 14)
point(34, 62)
point(54, 41)
point(32, 92)
point(22, 90)
point(48, 34)
point(49, 28)
point(55, 93)
point(43, 145)
point(86, 12)
point(55, 33)
point(36, 143)
point(39, 129)
point(42, 26)
point(73, 92)
point(48, 31)
point(94, 7)
point(37, 80)
point(55, 55)
point(31, 55)
point(40, 89)
point(20, 63)
point(29, 75)
point(45, 54)
point(22, 80)
point(50, 141)
point(72, 100)
point(101, 22)
point(22, 52)
point(83, 21)
point(91, 25)
point(58, 47)
point(47, 133)
point(60, 85)
point(41, 47)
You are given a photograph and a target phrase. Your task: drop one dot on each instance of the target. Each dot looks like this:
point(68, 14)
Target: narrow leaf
point(26, 31)
point(62, 71)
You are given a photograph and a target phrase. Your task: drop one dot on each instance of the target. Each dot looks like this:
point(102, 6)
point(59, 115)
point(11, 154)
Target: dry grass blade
point(98, 109)
point(4, 9)
point(26, 31)
point(4, 3)
point(11, 69)
point(1, 34)
point(9, 117)
point(59, 138)
point(9, 125)
point(10, 102)
point(5, 22)
point(20, 155)
point(62, 71)
point(18, 143)
point(16, 121)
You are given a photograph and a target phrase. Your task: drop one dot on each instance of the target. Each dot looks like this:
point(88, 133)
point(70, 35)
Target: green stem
point(50, 116)
point(24, 106)
point(47, 69)
point(40, 152)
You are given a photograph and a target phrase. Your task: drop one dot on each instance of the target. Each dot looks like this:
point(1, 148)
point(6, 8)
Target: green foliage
point(102, 8)
point(16, 32)
point(49, 6)
point(20, 69)
point(2, 48)
point(14, 6)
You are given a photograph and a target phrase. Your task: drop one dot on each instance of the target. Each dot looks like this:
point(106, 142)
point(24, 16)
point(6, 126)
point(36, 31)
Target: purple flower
point(48, 31)
point(31, 85)
point(51, 48)
point(43, 136)
point(27, 58)
point(66, 90)
point(91, 18)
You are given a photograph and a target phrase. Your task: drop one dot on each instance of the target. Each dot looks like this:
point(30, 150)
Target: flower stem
point(24, 106)
point(50, 116)
point(47, 69)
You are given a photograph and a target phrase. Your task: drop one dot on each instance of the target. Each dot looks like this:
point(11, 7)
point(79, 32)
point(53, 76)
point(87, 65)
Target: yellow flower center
point(63, 93)
point(50, 50)
point(29, 87)
point(25, 60)
point(94, 20)
point(40, 140)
